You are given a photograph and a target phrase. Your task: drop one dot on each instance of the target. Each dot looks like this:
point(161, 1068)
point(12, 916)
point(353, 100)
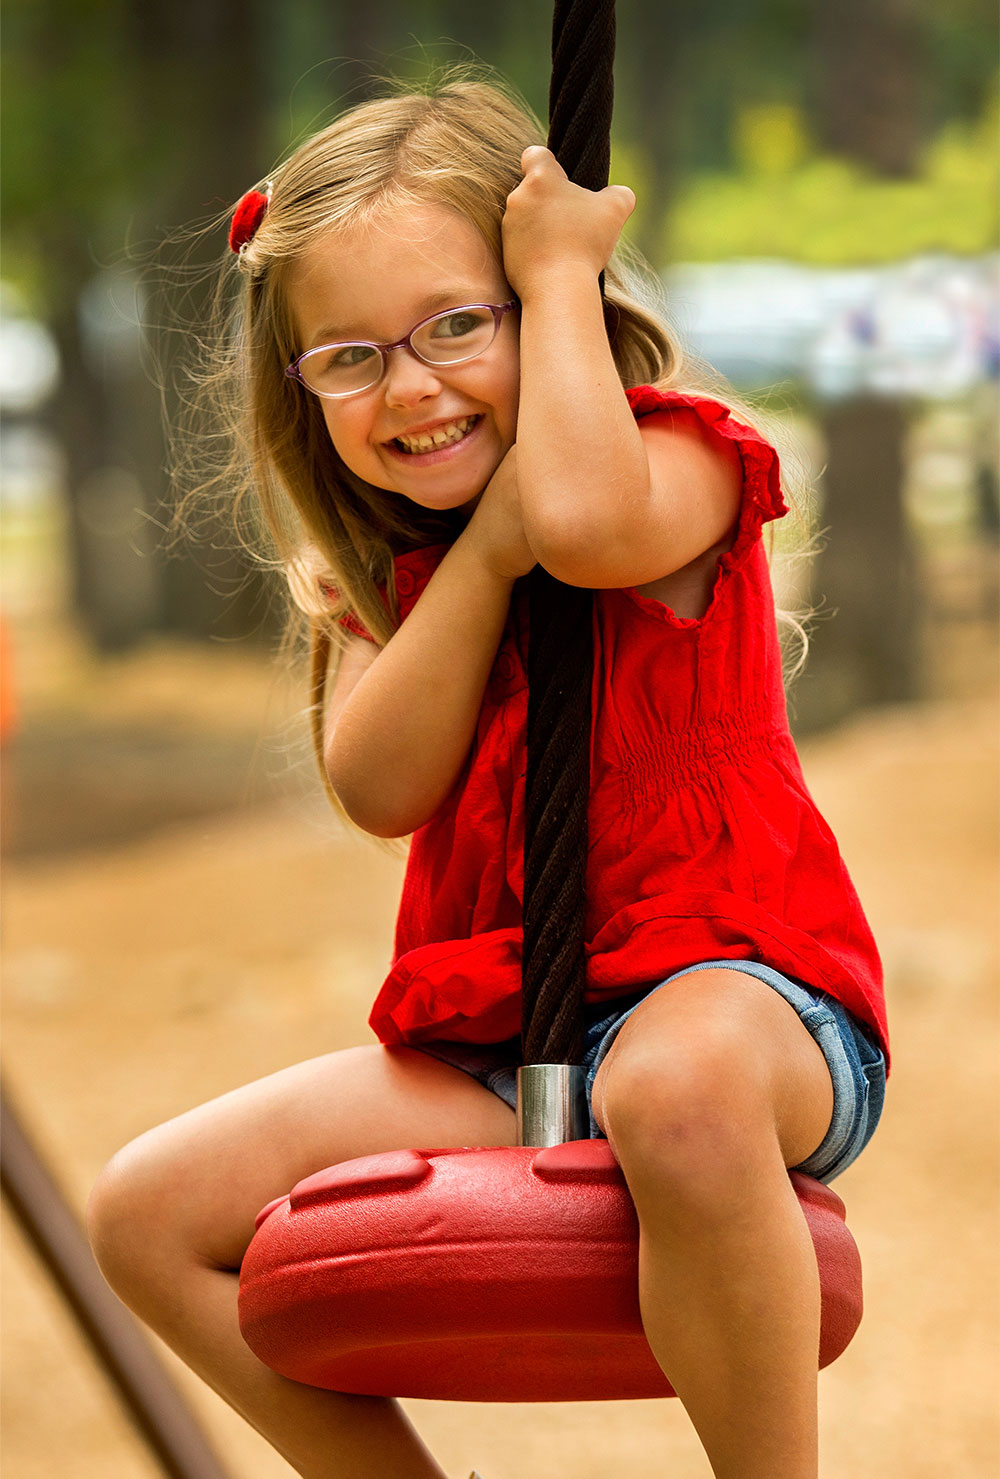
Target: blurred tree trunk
point(866, 575)
point(114, 587)
point(367, 38)
point(654, 44)
point(185, 84)
point(868, 80)
point(869, 70)
point(203, 94)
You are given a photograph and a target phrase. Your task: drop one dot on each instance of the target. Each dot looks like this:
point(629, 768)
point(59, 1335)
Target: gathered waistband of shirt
point(679, 757)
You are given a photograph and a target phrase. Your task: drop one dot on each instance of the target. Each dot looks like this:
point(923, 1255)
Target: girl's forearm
point(404, 733)
point(580, 456)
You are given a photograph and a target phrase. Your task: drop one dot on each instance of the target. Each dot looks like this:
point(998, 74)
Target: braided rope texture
point(561, 654)
point(581, 92)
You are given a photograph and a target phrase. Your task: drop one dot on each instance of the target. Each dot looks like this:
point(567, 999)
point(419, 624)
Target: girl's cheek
point(339, 436)
point(330, 427)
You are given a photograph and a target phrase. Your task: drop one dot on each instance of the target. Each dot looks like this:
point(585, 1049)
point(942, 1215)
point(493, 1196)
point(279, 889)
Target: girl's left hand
point(551, 224)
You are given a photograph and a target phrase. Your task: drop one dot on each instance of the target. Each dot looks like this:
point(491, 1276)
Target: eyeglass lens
point(448, 338)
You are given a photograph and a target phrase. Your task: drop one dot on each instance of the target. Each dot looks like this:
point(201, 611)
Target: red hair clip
point(247, 218)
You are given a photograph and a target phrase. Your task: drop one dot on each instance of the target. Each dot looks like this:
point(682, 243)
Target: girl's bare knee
point(689, 1123)
point(119, 1226)
point(134, 1216)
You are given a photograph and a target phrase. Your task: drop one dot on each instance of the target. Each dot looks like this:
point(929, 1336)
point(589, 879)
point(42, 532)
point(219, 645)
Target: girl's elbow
point(385, 827)
point(593, 547)
point(367, 801)
point(587, 558)
point(376, 820)
point(564, 548)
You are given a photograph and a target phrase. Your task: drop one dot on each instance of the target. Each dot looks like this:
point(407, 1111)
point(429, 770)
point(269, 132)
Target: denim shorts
point(856, 1062)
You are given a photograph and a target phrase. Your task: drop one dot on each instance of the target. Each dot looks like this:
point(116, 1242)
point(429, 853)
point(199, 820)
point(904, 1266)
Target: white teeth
point(441, 436)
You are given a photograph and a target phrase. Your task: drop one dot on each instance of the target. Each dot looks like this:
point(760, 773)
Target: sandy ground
point(156, 972)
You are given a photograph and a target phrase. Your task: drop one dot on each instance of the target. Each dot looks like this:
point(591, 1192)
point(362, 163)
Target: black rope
point(561, 659)
point(581, 93)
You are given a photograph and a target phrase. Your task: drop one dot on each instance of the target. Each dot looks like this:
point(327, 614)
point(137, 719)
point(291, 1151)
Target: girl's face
point(376, 283)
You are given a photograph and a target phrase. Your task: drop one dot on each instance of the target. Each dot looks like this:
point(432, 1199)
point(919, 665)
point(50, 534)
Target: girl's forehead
point(405, 239)
point(387, 266)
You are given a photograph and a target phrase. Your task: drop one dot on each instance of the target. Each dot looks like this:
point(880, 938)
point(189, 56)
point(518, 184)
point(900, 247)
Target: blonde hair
point(457, 144)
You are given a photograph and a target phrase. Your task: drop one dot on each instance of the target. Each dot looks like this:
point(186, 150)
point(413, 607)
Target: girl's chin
point(446, 494)
point(461, 503)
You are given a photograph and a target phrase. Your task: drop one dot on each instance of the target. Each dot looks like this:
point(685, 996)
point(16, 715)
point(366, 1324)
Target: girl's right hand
point(496, 529)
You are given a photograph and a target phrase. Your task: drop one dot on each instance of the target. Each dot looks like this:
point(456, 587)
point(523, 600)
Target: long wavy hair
point(458, 143)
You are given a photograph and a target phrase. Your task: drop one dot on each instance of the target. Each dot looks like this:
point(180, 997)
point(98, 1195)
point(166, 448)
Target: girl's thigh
point(209, 1171)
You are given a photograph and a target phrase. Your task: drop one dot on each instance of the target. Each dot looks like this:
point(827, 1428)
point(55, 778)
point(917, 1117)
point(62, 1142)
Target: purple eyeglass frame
point(498, 310)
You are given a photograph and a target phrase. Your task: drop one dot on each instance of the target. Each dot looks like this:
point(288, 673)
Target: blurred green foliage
point(785, 198)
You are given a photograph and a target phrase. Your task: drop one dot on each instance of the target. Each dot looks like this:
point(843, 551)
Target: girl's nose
point(408, 379)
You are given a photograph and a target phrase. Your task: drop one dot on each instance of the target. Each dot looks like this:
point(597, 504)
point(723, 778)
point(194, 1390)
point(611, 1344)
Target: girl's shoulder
point(646, 400)
point(762, 497)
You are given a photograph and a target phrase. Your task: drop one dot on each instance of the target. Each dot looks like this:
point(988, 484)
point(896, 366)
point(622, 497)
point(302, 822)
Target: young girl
point(433, 406)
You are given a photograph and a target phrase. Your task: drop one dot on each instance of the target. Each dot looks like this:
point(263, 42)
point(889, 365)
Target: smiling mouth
point(442, 436)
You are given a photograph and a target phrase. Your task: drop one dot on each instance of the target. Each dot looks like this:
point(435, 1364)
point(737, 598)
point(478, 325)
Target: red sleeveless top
point(704, 843)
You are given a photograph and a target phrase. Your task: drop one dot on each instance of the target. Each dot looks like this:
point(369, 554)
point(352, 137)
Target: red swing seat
point(498, 1275)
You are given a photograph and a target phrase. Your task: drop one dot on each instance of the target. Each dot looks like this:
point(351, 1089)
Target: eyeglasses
point(450, 338)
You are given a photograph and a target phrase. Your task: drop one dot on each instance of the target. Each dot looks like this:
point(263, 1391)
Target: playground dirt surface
point(153, 961)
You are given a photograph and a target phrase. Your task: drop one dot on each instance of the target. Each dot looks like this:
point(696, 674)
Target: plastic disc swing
point(506, 1274)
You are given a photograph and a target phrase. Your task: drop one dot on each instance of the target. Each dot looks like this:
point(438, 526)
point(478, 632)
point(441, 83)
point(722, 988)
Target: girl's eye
point(454, 325)
point(350, 355)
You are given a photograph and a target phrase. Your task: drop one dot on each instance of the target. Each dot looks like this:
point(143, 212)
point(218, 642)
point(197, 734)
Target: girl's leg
point(711, 1090)
point(172, 1214)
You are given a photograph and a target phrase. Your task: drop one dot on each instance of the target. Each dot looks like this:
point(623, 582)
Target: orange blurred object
point(8, 708)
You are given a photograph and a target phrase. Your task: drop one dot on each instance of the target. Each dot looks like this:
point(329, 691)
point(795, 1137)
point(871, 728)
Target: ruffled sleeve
point(762, 498)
